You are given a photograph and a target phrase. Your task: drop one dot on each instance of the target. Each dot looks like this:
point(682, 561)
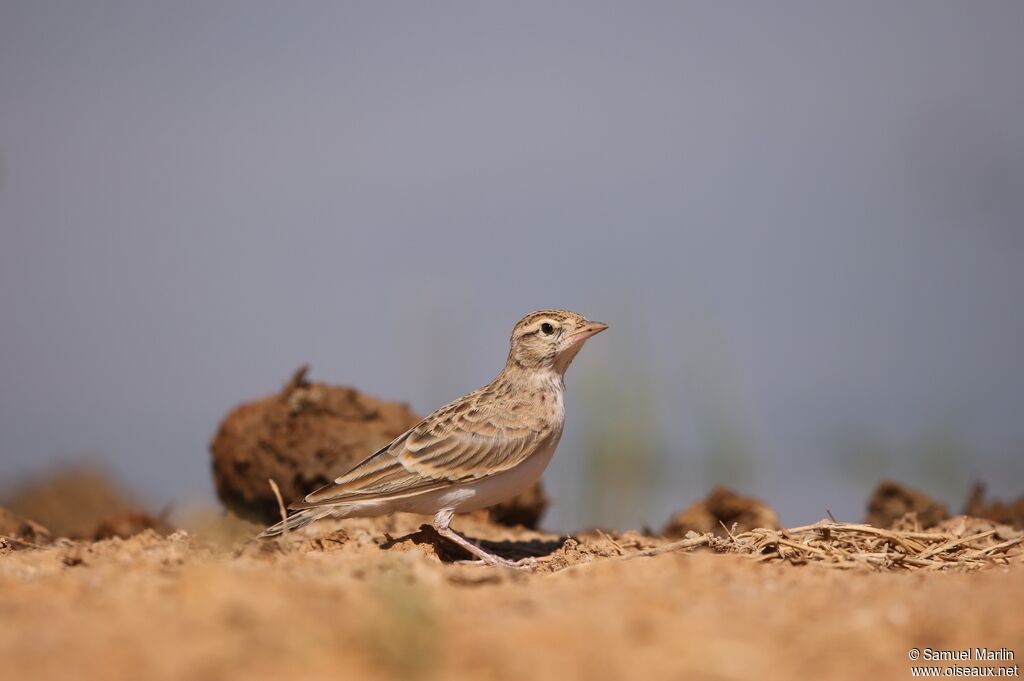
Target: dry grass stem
point(951, 546)
point(280, 505)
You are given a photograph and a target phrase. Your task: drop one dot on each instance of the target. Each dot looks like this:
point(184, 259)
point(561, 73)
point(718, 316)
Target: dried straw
point(959, 544)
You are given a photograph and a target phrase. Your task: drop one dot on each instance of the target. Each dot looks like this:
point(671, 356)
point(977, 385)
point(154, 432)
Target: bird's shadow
point(449, 552)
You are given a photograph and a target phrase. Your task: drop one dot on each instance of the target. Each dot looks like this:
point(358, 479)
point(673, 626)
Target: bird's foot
point(441, 521)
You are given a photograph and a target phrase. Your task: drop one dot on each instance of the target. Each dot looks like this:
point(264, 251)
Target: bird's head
point(550, 339)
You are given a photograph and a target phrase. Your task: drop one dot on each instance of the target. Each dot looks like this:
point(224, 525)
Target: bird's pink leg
point(442, 522)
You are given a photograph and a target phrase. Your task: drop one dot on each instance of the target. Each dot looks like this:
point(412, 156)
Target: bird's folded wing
point(456, 444)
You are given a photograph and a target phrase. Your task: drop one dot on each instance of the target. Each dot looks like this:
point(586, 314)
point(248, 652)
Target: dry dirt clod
point(891, 501)
point(302, 437)
point(25, 532)
point(719, 511)
point(74, 501)
point(129, 524)
point(1007, 513)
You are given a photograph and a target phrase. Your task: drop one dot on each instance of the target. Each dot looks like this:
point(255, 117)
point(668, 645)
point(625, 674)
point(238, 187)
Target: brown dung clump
point(301, 437)
point(1005, 512)
point(129, 524)
point(74, 501)
point(891, 501)
point(722, 507)
point(22, 531)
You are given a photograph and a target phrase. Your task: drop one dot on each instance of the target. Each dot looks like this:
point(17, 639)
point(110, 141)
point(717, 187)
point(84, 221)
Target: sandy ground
point(374, 600)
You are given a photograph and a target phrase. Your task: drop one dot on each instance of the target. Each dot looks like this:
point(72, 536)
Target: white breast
point(502, 486)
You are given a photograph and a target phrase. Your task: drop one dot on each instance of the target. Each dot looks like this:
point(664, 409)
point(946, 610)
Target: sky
point(803, 221)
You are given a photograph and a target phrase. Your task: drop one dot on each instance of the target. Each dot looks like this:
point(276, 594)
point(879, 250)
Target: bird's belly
point(491, 490)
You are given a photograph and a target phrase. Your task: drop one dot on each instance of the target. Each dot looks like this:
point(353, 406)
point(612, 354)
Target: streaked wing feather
point(462, 442)
point(471, 443)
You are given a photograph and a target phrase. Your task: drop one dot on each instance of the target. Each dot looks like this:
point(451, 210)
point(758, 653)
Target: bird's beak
point(590, 329)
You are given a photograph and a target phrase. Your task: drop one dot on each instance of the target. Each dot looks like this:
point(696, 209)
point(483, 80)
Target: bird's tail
point(297, 521)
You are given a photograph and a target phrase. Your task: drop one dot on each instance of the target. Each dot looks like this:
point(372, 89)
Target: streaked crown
point(550, 339)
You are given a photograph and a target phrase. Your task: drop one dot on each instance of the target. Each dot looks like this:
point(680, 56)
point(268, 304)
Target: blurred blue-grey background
point(803, 221)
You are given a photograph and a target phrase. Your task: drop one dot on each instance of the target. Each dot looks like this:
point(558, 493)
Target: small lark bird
point(475, 452)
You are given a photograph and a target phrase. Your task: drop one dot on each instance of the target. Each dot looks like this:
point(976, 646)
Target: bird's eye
point(547, 329)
